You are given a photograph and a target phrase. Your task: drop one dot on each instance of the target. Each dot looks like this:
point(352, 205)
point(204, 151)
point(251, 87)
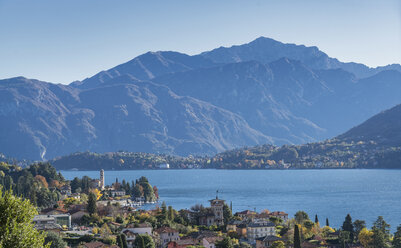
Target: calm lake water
point(365, 194)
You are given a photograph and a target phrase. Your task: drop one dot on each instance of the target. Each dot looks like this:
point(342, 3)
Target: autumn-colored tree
point(55, 184)
point(156, 192)
point(366, 238)
point(42, 180)
point(97, 193)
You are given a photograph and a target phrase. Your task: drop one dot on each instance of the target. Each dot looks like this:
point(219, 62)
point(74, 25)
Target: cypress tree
point(297, 237)
point(316, 219)
point(91, 203)
point(349, 227)
point(119, 241)
point(170, 213)
point(327, 222)
point(124, 240)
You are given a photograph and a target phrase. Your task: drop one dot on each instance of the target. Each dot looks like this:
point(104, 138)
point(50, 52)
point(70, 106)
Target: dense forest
point(39, 182)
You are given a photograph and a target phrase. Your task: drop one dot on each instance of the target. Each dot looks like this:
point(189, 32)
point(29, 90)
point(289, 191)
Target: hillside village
point(88, 213)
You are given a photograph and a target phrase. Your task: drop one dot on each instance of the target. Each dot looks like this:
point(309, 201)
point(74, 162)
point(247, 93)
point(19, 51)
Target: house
point(246, 214)
point(260, 229)
point(52, 211)
point(115, 193)
point(164, 166)
point(77, 214)
point(280, 215)
point(95, 184)
point(167, 235)
point(206, 239)
point(65, 190)
point(267, 241)
point(131, 236)
point(143, 228)
point(49, 227)
point(210, 242)
point(213, 215)
point(60, 219)
point(207, 219)
point(182, 243)
point(76, 196)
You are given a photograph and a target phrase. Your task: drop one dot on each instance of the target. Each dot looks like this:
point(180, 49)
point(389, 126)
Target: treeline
point(38, 182)
point(334, 153)
point(139, 188)
point(301, 230)
point(121, 161)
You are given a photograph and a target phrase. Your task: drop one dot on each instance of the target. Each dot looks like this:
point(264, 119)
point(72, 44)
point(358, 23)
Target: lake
point(365, 194)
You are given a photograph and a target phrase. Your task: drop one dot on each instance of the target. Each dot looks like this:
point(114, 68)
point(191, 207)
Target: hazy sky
point(62, 41)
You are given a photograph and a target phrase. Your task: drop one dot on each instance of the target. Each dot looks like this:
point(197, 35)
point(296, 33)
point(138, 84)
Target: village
point(110, 217)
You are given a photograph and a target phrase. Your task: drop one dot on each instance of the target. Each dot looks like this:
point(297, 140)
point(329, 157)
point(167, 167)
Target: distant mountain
point(288, 100)
point(383, 128)
point(42, 120)
point(248, 89)
point(376, 143)
point(168, 102)
point(267, 50)
point(146, 67)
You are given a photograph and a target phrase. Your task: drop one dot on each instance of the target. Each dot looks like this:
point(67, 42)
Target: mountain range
point(168, 102)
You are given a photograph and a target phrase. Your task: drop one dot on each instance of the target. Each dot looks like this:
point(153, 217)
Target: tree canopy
point(16, 227)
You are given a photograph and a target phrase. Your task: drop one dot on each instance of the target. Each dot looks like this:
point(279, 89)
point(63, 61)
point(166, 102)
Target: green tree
point(55, 240)
point(301, 216)
point(244, 245)
point(316, 219)
point(358, 226)
point(397, 238)
point(144, 241)
point(309, 224)
point(344, 238)
point(119, 241)
point(16, 227)
point(381, 233)
point(138, 190)
point(148, 192)
point(349, 227)
point(297, 237)
point(164, 210)
point(75, 184)
point(225, 243)
point(124, 241)
point(327, 222)
point(170, 213)
point(278, 244)
point(91, 207)
point(227, 214)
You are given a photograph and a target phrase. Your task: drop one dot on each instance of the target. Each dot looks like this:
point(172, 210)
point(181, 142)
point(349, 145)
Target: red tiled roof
point(96, 244)
point(165, 229)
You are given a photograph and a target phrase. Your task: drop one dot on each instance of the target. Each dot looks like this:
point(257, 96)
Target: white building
point(164, 166)
point(260, 229)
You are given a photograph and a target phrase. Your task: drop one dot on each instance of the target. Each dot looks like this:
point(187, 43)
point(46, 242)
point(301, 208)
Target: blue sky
point(62, 41)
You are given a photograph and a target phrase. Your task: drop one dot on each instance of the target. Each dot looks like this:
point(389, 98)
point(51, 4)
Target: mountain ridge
point(201, 104)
